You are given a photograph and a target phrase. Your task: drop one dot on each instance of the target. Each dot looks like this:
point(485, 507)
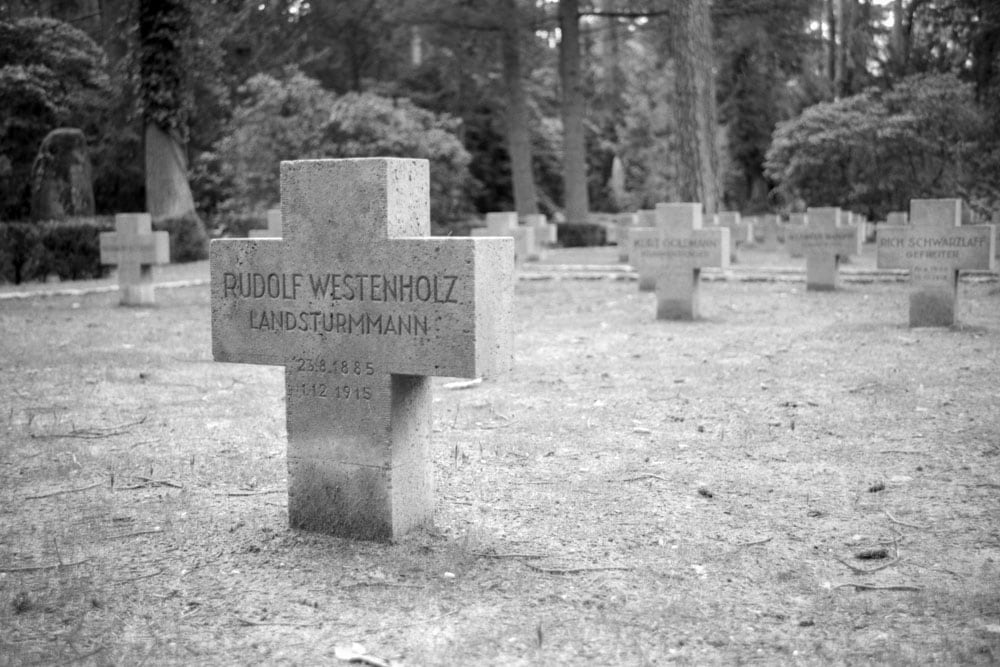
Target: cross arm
point(152, 248)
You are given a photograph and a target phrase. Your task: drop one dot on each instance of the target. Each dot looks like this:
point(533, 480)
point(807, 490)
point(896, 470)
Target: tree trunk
point(831, 52)
point(168, 194)
point(416, 46)
point(897, 54)
point(842, 75)
point(162, 31)
point(694, 88)
point(573, 109)
point(516, 116)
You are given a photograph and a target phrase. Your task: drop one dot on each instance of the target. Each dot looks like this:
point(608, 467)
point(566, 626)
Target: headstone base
point(932, 308)
point(821, 273)
point(375, 483)
point(677, 296)
point(135, 287)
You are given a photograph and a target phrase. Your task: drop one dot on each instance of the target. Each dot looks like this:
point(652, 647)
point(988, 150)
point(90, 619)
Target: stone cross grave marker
point(134, 247)
point(676, 255)
point(740, 231)
point(897, 218)
point(796, 222)
point(823, 240)
point(768, 228)
point(627, 223)
point(643, 235)
point(273, 230)
point(360, 308)
point(546, 233)
point(504, 223)
point(934, 247)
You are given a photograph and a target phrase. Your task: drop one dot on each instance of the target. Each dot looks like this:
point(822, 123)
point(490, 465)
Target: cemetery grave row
point(360, 306)
point(358, 398)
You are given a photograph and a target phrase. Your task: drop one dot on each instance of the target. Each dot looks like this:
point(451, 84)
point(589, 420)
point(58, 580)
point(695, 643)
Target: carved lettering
point(334, 287)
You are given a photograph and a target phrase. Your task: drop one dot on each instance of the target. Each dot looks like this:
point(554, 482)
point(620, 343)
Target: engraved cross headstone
point(676, 256)
point(740, 231)
point(546, 233)
point(360, 309)
point(645, 234)
point(627, 223)
point(134, 247)
point(934, 247)
point(823, 240)
point(504, 223)
point(796, 223)
point(768, 229)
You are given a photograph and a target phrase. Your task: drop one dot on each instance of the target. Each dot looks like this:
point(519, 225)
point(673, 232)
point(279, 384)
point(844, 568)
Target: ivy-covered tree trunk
point(694, 87)
point(163, 28)
point(573, 109)
point(518, 133)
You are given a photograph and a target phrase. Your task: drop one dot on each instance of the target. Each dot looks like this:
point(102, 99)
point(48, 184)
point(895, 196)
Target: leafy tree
point(769, 68)
point(51, 75)
point(274, 120)
point(365, 125)
point(492, 70)
point(877, 150)
point(295, 118)
point(647, 133)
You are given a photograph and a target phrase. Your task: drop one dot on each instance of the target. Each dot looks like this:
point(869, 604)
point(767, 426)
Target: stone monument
point(676, 255)
point(934, 247)
point(361, 306)
point(61, 177)
point(823, 240)
point(135, 248)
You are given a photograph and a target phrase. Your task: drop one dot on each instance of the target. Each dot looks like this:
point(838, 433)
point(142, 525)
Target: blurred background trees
point(568, 106)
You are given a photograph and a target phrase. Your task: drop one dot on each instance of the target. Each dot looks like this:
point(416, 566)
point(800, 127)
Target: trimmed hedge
point(233, 225)
point(583, 234)
point(31, 251)
point(188, 239)
point(71, 249)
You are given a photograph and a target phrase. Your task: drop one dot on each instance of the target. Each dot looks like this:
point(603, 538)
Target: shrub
point(581, 234)
point(73, 249)
point(51, 75)
point(188, 240)
point(22, 255)
point(878, 150)
point(69, 249)
point(295, 118)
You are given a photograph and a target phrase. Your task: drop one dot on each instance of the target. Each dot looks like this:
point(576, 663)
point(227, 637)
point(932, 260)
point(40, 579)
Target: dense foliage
point(819, 91)
point(296, 118)
point(875, 151)
point(68, 249)
point(51, 75)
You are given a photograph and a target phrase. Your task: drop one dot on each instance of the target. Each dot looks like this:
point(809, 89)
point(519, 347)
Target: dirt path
point(636, 492)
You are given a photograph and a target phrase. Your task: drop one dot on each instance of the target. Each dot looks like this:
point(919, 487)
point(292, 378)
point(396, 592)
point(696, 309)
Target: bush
point(876, 151)
point(585, 234)
point(51, 75)
point(237, 225)
point(69, 249)
point(295, 118)
point(73, 249)
point(188, 240)
point(22, 255)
